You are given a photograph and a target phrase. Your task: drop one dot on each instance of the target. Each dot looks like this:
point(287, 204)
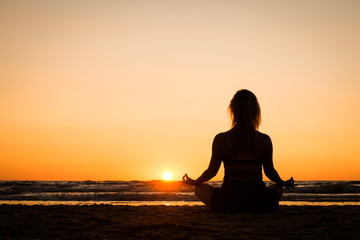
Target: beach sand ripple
point(176, 222)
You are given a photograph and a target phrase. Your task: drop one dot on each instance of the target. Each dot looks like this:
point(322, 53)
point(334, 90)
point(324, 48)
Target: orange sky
point(125, 90)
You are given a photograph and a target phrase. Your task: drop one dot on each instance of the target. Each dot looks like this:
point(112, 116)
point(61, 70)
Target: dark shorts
point(244, 198)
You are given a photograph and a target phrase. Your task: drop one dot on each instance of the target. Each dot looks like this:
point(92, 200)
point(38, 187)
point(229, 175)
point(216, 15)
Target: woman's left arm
point(213, 168)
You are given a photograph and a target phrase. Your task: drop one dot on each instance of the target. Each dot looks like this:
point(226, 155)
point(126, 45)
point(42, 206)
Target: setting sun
point(113, 97)
point(167, 176)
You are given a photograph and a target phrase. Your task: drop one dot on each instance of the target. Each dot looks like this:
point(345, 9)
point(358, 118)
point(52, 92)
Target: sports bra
point(242, 170)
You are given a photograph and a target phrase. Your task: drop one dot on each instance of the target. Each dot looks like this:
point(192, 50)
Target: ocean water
point(319, 193)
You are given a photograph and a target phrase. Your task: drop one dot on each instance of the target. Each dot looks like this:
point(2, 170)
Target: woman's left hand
point(289, 183)
point(186, 179)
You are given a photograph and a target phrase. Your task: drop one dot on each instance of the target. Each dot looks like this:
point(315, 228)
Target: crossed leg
point(277, 188)
point(203, 191)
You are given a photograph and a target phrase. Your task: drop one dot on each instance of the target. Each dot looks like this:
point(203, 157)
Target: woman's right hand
point(186, 179)
point(289, 183)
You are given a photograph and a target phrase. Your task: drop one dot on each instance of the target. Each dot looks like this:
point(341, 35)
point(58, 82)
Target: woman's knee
point(196, 190)
point(277, 188)
point(200, 189)
point(203, 191)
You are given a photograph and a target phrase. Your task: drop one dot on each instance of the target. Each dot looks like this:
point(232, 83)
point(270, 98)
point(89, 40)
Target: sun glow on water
point(167, 176)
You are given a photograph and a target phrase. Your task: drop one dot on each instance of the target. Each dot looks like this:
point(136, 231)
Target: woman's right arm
point(268, 164)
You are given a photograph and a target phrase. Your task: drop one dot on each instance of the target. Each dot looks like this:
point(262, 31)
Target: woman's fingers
point(292, 180)
point(188, 180)
point(185, 178)
point(290, 183)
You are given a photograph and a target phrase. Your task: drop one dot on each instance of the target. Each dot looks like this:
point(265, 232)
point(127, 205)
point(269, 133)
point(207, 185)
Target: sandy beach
point(175, 222)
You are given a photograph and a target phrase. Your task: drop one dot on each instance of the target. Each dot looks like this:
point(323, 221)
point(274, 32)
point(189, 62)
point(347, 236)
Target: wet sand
point(176, 222)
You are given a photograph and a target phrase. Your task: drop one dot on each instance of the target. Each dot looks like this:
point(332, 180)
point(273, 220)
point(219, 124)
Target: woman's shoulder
point(263, 138)
point(222, 141)
point(225, 135)
point(262, 135)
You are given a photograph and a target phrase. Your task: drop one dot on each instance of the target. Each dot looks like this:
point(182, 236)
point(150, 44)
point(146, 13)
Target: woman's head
point(245, 111)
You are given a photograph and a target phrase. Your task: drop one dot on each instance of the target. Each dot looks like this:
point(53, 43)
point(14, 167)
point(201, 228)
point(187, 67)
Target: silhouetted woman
point(244, 151)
